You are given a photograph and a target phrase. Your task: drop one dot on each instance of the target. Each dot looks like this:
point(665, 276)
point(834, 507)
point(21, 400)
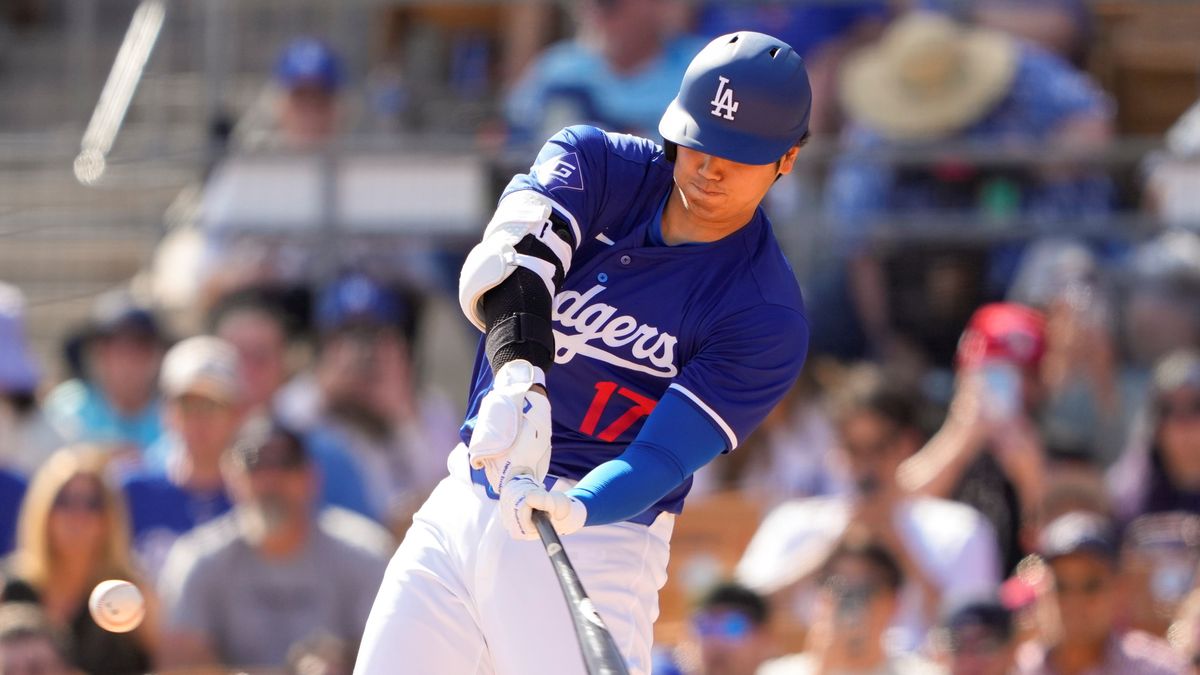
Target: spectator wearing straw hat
point(928, 84)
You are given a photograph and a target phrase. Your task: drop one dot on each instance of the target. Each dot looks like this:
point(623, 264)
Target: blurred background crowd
point(232, 365)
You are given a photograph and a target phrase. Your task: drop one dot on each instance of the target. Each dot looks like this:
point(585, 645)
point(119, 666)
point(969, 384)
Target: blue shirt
point(79, 411)
point(341, 483)
point(573, 84)
point(12, 491)
point(161, 511)
point(721, 324)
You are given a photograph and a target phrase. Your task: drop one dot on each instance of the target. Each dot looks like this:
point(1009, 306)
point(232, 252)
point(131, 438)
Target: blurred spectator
point(1073, 484)
point(1172, 177)
point(12, 491)
point(821, 32)
point(791, 455)
point(26, 436)
point(930, 83)
point(978, 638)
point(257, 215)
point(202, 392)
point(946, 550)
point(1159, 556)
point(1084, 603)
point(989, 452)
point(245, 588)
point(860, 592)
point(1162, 312)
point(257, 322)
point(731, 625)
point(619, 72)
point(114, 400)
point(1084, 411)
point(1160, 470)
point(29, 644)
point(309, 76)
point(73, 534)
point(361, 399)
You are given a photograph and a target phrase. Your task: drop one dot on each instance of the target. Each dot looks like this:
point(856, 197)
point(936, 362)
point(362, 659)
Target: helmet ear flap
point(670, 149)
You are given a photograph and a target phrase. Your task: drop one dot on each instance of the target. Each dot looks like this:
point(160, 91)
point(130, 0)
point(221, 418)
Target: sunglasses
point(1181, 410)
point(730, 626)
point(89, 504)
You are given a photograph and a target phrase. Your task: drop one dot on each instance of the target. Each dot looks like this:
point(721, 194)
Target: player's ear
point(788, 160)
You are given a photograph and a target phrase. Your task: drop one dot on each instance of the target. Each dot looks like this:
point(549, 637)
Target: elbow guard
point(527, 231)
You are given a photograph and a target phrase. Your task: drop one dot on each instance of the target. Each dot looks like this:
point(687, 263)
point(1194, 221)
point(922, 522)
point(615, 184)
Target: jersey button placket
point(625, 260)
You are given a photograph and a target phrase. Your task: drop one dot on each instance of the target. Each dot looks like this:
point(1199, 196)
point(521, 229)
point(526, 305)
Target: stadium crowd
point(990, 465)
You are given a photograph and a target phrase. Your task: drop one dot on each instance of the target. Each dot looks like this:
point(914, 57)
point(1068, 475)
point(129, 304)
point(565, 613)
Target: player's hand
point(523, 494)
point(512, 429)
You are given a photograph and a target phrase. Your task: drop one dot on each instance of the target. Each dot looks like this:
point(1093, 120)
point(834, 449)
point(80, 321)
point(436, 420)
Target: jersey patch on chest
point(600, 334)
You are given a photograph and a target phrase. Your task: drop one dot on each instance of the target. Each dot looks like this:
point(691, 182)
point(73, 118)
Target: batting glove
point(523, 494)
point(513, 426)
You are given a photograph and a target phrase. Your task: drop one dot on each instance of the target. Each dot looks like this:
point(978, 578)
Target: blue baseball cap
point(745, 98)
point(308, 61)
point(356, 298)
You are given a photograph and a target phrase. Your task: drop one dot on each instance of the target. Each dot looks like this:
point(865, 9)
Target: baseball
point(117, 606)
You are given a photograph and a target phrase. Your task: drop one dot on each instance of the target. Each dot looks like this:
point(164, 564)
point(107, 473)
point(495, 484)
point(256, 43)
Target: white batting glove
point(523, 494)
point(512, 429)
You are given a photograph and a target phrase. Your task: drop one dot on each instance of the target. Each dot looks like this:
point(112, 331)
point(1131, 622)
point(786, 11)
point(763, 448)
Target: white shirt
point(952, 543)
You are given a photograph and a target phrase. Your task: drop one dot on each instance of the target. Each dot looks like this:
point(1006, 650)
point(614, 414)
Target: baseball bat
point(600, 653)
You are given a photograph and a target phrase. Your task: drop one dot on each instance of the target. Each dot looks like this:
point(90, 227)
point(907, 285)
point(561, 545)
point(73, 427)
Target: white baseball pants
point(461, 597)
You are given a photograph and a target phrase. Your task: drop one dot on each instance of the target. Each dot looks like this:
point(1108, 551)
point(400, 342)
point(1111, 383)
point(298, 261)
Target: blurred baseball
point(117, 606)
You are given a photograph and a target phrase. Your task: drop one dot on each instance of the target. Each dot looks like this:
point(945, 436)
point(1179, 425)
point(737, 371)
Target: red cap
point(1003, 331)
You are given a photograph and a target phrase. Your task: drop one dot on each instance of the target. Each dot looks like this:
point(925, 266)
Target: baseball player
point(639, 319)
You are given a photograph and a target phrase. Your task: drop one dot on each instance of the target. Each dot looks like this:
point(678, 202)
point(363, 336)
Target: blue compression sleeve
point(676, 440)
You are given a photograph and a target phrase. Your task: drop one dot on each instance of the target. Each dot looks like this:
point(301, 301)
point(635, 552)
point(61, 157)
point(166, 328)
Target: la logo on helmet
point(723, 103)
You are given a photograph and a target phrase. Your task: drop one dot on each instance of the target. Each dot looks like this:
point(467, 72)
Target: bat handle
point(541, 520)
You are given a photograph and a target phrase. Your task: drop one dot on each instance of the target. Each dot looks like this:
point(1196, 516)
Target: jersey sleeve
point(744, 366)
point(571, 171)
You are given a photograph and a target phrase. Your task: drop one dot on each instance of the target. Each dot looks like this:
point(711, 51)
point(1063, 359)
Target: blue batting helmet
point(745, 98)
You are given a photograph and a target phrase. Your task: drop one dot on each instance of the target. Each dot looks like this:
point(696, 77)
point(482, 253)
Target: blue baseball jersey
point(720, 323)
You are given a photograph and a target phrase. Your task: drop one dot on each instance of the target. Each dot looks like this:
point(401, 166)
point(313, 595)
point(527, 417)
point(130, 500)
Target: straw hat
point(928, 77)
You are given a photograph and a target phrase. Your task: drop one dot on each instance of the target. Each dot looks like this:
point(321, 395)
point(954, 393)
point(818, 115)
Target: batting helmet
point(745, 98)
